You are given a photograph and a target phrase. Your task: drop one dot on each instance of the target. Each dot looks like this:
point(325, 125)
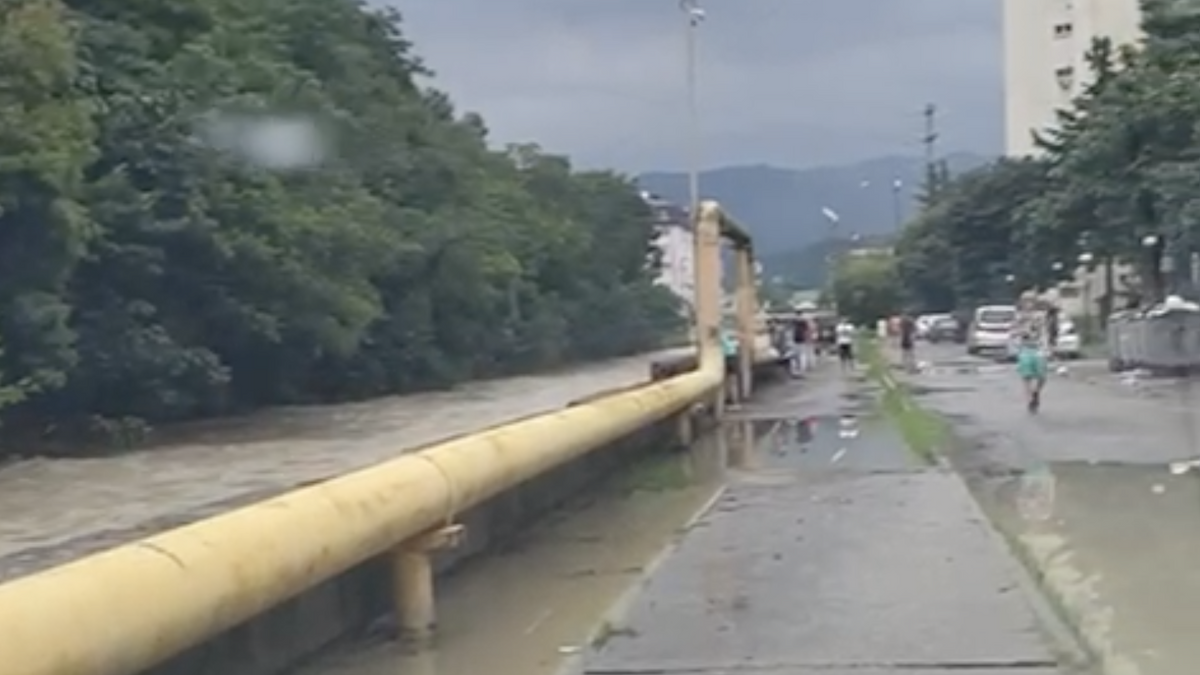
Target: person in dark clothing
point(1052, 320)
point(804, 336)
point(908, 337)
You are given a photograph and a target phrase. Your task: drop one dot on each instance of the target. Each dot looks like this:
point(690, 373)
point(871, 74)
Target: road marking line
point(539, 621)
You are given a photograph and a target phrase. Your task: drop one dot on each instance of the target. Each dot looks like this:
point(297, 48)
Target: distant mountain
point(782, 208)
point(808, 266)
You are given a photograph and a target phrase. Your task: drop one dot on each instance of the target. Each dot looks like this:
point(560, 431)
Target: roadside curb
point(1048, 559)
point(618, 611)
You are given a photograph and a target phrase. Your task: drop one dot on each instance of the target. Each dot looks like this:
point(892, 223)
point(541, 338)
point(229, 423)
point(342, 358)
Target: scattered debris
point(1181, 467)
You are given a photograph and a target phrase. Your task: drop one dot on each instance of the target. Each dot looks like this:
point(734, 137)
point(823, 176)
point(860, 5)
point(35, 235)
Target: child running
point(1031, 367)
point(1031, 341)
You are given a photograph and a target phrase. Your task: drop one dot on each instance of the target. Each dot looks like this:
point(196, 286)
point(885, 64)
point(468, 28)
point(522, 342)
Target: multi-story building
point(1044, 68)
point(676, 242)
point(1045, 43)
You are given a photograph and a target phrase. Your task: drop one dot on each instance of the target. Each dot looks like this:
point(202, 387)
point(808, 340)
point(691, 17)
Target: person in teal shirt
point(1032, 368)
point(729, 343)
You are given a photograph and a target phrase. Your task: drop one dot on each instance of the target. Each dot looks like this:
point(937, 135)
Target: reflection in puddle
point(848, 426)
point(1035, 494)
point(818, 441)
point(1119, 544)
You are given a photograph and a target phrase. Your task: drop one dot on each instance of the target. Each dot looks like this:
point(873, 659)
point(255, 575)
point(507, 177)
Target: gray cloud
point(788, 82)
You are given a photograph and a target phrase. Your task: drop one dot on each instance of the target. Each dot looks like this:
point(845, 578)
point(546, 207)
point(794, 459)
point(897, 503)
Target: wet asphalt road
point(833, 551)
point(1093, 491)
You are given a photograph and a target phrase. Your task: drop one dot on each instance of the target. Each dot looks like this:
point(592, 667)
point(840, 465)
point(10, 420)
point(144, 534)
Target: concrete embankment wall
point(346, 606)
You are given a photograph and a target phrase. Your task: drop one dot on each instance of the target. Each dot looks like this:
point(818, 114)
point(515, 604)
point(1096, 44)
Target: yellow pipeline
point(132, 607)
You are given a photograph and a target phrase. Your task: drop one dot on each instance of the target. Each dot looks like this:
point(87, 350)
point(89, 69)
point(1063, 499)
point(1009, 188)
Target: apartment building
point(1044, 68)
point(676, 242)
point(1045, 42)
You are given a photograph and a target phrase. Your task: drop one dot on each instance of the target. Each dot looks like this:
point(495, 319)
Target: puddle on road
point(848, 440)
point(1121, 541)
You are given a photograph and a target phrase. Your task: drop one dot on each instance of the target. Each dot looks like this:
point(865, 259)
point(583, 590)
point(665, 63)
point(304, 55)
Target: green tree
point(965, 245)
point(866, 287)
point(166, 253)
point(46, 142)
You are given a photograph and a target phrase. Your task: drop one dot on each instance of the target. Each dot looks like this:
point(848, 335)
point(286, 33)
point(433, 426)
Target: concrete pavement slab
point(831, 571)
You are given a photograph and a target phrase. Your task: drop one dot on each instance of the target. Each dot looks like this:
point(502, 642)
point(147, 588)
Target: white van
point(991, 330)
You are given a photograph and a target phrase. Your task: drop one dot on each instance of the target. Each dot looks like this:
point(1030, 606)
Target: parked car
point(943, 328)
point(925, 324)
point(991, 328)
point(1070, 345)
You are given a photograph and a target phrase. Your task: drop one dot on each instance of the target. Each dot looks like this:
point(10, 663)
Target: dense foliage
point(149, 268)
point(1116, 186)
point(865, 287)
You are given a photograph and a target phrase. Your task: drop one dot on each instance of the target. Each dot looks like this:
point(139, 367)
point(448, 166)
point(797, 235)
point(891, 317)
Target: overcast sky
point(785, 82)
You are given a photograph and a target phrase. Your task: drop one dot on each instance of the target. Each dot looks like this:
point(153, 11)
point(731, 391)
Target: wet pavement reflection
point(540, 606)
point(1099, 493)
point(535, 606)
point(841, 432)
point(834, 549)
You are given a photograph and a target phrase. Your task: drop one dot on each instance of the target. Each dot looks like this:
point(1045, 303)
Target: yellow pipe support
point(130, 608)
point(747, 315)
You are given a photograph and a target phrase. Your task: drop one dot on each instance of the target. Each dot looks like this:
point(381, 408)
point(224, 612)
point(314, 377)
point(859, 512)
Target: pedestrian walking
point(844, 334)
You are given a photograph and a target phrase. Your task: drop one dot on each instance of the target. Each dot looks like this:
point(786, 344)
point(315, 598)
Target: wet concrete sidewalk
point(52, 511)
point(1094, 493)
point(872, 563)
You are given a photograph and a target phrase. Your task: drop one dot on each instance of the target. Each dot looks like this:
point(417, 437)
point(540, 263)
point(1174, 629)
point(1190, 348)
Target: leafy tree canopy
point(865, 287)
point(1118, 170)
point(209, 206)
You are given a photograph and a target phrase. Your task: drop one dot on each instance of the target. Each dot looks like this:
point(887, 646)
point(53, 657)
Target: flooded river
point(56, 510)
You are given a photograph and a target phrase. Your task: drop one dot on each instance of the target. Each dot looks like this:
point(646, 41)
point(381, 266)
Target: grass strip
point(924, 432)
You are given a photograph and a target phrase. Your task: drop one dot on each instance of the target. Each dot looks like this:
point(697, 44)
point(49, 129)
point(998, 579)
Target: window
point(1065, 76)
point(995, 315)
point(1063, 30)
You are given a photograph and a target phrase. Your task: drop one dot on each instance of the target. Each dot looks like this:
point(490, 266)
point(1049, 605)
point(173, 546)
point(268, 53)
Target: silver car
point(991, 330)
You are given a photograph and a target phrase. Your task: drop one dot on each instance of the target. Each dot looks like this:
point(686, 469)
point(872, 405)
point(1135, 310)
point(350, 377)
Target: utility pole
point(929, 140)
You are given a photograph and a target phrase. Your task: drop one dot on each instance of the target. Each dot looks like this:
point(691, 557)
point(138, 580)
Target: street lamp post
point(896, 185)
point(1153, 244)
point(694, 16)
point(1085, 261)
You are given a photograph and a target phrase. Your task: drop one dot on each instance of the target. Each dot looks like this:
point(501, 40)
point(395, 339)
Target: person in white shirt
point(845, 343)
